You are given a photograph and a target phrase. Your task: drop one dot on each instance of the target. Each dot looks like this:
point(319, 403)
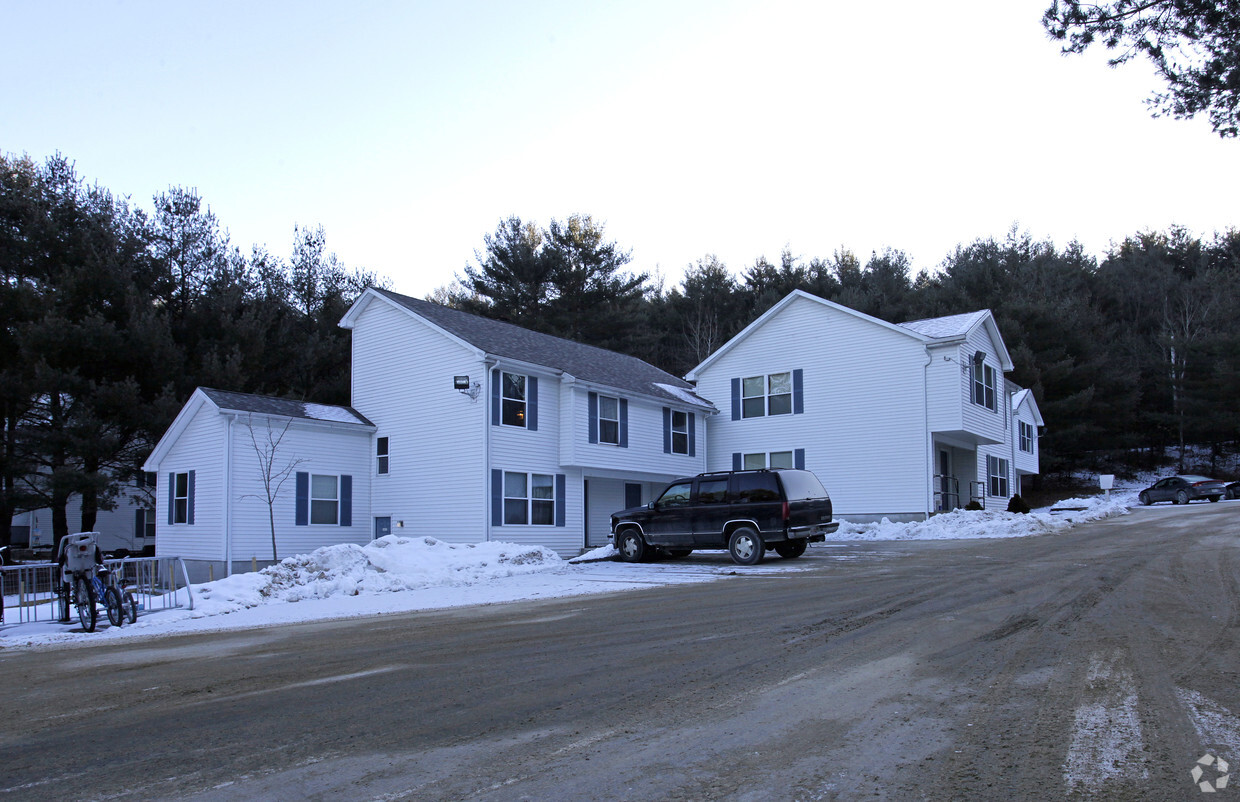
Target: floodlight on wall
point(979, 357)
point(462, 385)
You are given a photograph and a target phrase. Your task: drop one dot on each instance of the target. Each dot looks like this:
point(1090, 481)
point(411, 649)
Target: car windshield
point(802, 485)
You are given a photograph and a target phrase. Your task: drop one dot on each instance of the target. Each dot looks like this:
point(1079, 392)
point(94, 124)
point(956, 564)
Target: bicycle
point(118, 602)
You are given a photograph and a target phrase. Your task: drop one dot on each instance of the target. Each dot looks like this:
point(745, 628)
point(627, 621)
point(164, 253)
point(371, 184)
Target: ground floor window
point(324, 499)
point(998, 470)
point(529, 498)
point(767, 459)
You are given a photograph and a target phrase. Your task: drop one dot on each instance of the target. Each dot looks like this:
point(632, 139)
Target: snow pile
point(388, 564)
point(967, 524)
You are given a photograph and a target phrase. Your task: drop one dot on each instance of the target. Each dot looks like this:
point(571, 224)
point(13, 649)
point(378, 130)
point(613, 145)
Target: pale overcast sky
point(410, 129)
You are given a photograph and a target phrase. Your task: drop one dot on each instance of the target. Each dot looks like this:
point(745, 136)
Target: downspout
point(227, 505)
point(487, 365)
point(928, 498)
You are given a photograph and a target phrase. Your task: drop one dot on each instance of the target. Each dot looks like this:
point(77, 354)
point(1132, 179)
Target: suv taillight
point(787, 514)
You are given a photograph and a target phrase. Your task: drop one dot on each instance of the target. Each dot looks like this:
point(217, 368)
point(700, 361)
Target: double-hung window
point(766, 395)
point(180, 498)
point(984, 385)
point(513, 399)
point(324, 499)
point(680, 432)
point(529, 498)
point(1026, 437)
point(608, 420)
point(773, 460)
point(381, 455)
point(998, 470)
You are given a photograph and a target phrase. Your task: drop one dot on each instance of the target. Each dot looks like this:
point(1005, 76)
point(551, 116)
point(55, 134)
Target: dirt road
point(1101, 663)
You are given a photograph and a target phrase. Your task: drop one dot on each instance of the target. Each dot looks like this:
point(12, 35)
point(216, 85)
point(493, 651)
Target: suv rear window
point(801, 485)
point(756, 487)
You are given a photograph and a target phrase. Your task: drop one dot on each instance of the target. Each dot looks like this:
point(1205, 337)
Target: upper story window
point(381, 455)
point(180, 498)
point(513, 403)
point(766, 395)
point(324, 499)
point(680, 432)
point(983, 384)
point(1026, 437)
point(608, 420)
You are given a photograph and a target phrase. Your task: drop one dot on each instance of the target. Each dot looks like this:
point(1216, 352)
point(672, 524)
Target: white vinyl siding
point(198, 449)
point(414, 403)
point(863, 427)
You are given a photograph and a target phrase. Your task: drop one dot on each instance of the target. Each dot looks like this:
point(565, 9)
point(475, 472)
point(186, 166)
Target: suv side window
point(756, 487)
point(712, 491)
point(676, 496)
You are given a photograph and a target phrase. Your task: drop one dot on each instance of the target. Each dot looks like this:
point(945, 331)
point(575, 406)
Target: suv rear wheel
point(791, 549)
point(632, 547)
point(746, 546)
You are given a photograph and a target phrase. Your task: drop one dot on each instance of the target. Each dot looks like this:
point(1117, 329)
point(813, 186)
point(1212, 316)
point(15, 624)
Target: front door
point(383, 527)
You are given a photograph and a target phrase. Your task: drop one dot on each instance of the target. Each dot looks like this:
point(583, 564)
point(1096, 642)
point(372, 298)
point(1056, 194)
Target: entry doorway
point(383, 527)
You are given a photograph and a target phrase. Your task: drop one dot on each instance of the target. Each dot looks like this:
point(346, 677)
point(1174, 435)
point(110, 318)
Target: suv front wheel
point(746, 546)
point(632, 547)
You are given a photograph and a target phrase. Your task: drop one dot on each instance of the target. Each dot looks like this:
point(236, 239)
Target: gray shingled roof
point(949, 326)
point(284, 407)
point(585, 362)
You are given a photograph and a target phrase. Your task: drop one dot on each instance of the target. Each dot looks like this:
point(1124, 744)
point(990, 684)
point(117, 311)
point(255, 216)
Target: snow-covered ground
point(398, 574)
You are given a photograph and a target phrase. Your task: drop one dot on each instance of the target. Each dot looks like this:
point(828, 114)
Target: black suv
point(745, 512)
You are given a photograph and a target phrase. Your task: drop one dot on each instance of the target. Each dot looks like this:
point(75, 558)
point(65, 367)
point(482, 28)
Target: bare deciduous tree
point(272, 474)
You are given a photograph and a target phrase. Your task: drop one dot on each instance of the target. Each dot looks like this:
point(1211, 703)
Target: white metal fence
point(32, 592)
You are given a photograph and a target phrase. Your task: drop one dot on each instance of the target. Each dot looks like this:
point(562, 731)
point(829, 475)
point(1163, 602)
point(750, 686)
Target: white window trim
point(524, 402)
point(180, 511)
point(682, 431)
point(528, 498)
point(978, 378)
point(766, 459)
point(313, 498)
point(767, 395)
point(997, 468)
point(615, 420)
point(1026, 439)
point(383, 459)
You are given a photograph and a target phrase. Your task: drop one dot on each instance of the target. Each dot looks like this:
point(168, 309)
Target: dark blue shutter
point(497, 497)
point(736, 399)
point(624, 423)
point(189, 516)
point(692, 435)
point(798, 459)
point(172, 497)
point(139, 523)
point(495, 404)
point(561, 486)
point(737, 461)
point(301, 516)
point(346, 500)
point(592, 408)
point(667, 430)
point(531, 403)
point(798, 392)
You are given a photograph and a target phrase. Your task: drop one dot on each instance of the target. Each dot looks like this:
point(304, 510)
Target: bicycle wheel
point(131, 607)
point(115, 607)
point(84, 600)
point(63, 592)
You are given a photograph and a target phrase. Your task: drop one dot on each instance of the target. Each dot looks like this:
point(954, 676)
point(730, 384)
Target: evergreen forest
point(113, 314)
